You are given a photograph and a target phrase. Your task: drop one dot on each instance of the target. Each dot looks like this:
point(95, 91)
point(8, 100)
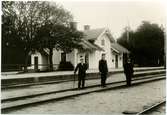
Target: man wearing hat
point(103, 69)
point(81, 68)
point(128, 70)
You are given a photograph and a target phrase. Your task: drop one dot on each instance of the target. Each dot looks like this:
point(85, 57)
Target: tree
point(26, 20)
point(58, 37)
point(149, 43)
point(9, 38)
point(146, 44)
point(20, 20)
point(126, 39)
point(57, 32)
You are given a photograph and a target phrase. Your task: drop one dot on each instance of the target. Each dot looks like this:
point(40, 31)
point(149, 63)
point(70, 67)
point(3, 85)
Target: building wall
point(56, 57)
point(93, 60)
point(112, 60)
point(120, 61)
point(106, 47)
point(94, 56)
point(70, 57)
point(39, 58)
point(75, 57)
point(42, 60)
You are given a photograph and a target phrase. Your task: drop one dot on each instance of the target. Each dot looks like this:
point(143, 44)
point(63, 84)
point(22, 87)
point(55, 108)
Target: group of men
point(103, 70)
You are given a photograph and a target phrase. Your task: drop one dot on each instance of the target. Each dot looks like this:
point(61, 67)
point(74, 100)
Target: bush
point(64, 66)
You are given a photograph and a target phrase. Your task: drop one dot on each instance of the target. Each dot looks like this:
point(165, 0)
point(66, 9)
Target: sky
point(115, 15)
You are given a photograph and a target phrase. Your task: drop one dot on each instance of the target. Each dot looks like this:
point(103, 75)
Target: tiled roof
point(93, 33)
point(86, 45)
point(118, 48)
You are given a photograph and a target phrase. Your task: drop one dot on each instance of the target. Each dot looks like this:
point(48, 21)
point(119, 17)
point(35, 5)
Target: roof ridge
point(93, 33)
point(95, 29)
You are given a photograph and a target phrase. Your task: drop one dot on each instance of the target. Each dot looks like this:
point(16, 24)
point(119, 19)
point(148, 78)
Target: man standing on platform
point(103, 69)
point(81, 67)
point(128, 70)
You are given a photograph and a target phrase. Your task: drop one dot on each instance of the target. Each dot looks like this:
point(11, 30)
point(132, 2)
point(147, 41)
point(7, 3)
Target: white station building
point(94, 43)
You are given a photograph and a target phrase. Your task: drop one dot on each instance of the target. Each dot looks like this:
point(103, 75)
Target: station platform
point(41, 77)
point(12, 75)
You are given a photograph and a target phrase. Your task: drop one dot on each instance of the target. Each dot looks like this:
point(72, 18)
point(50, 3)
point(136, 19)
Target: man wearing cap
point(103, 69)
point(81, 68)
point(128, 70)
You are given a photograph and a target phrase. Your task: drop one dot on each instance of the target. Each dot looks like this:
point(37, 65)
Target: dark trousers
point(103, 79)
point(81, 80)
point(128, 78)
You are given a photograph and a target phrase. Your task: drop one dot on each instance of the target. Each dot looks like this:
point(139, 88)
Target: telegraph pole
point(127, 32)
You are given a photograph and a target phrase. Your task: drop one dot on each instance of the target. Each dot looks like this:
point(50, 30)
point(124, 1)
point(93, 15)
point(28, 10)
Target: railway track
point(151, 108)
point(70, 89)
point(29, 100)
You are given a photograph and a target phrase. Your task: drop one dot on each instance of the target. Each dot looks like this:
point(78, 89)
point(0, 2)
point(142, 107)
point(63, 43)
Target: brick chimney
point(73, 25)
point(86, 27)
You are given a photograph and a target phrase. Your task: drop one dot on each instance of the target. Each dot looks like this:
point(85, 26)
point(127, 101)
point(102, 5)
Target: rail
point(151, 108)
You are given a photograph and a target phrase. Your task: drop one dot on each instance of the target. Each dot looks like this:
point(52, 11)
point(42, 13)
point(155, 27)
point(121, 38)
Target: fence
point(30, 67)
point(37, 67)
point(11, 67)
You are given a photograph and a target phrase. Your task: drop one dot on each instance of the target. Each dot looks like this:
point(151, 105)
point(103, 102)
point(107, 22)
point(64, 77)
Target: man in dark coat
point(81, 67)
point(103, 69)
point(128, 70)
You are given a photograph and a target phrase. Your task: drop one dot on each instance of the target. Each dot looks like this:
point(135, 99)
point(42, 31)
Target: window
point(102, 42)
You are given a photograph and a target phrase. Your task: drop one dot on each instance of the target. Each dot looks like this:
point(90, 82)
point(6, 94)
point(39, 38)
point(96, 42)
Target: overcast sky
point(115, 14)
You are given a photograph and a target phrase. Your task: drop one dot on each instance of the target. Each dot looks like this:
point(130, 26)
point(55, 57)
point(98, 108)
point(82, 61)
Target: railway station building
point(94, 43)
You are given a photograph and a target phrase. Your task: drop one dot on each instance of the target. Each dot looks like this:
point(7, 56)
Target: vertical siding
point(106, 47)
point(120, 61)
point(70, 57)
point(92, 60)
point(56, 57)
point(75, 57)
point(112, 60)
point(41, 60)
